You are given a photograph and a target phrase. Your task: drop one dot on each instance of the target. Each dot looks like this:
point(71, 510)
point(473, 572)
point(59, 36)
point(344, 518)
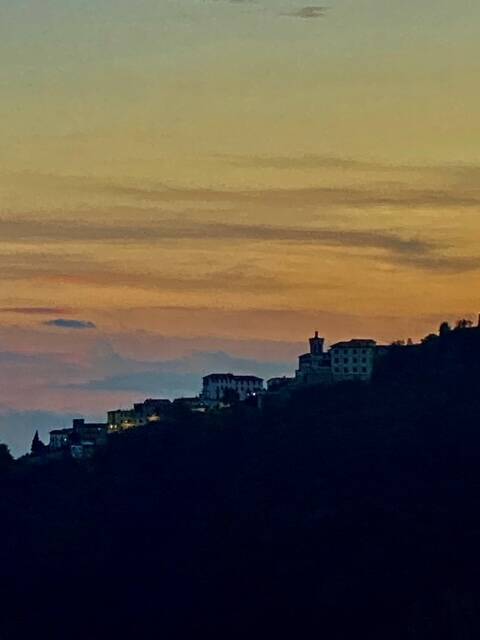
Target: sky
point(197, 185)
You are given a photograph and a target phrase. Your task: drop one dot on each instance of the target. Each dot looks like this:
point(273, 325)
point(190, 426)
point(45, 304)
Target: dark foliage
point(344, 512)
point(6, 459)
point(38, 447)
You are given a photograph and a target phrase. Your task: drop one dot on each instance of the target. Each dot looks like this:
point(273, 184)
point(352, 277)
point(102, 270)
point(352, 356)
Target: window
point(364, 369)
point(345, 370)
point(355, 369)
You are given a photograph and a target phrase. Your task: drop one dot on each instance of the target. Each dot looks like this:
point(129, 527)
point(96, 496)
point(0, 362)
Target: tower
point(316, 345)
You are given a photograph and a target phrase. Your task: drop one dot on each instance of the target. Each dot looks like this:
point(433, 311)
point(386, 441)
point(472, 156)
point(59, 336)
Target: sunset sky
point(196, 185)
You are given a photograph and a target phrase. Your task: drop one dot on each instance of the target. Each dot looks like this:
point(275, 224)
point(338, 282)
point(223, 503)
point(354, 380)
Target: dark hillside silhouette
point(350, 511)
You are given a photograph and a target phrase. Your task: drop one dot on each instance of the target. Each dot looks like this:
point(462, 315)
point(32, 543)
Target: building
point(81, 440)
point(314, 367)
point(89, 432)
point(279, 384)
point(353, 360)
point(120, 419)
point(194, 405)
point(151, 410)
point(224, 387)
point(59, 439)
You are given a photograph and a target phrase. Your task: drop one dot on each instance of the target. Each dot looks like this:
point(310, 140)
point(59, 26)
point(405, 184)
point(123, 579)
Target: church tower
point(316, 345)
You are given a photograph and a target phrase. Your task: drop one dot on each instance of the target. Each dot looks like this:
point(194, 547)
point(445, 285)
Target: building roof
point(91, 425)
point(230, 376)
point(61, 432)
point(356, 342)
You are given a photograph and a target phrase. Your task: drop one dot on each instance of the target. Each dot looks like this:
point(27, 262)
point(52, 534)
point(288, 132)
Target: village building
point(193, 404)
point(349, 360)
point(222, 387)
point(314, 367)
point(353, 360)
point(142, 413)
point(279, 383)
point(80, 440)
point(59, 439)
point(89, 432)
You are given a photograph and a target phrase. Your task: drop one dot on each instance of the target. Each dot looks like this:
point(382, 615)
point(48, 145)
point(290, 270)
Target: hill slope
point(350, 511)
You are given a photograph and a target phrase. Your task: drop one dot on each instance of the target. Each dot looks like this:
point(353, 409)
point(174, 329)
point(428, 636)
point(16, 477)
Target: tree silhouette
point(463, 324)
point(37, 445)
point(6, 458)
point(445, 329)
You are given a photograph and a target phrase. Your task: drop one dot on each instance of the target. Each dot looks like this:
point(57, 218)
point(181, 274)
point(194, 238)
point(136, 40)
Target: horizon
point(19, 426)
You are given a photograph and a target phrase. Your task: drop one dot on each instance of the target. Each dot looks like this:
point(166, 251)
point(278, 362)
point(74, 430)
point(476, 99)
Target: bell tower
point(316, 345)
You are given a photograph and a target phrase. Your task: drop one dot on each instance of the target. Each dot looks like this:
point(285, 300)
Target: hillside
point(346, 511)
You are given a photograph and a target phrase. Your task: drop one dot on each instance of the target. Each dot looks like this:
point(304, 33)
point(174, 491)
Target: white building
point(219, 387)
point(353, 360)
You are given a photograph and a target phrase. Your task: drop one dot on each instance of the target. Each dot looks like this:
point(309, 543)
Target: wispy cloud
point(308, 12)
point(63, 323)
point(378, 195)
point(388, 246)
point(42, 311)
point(303, 161)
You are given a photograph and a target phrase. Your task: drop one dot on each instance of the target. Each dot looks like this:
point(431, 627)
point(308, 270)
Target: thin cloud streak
point(63, 323)
point(27, 311)
point(307, 13)
point(394, 248)
point(383, 195)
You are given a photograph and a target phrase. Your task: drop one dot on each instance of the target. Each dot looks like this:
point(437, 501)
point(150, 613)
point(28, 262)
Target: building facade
point(151, 410)
point(350, 360)
point(223, 387)
point(83, 437)
point(59, 439)
point(353, 360)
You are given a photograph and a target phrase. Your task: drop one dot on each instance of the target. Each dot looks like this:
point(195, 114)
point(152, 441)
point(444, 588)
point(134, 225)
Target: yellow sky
point(236, 156)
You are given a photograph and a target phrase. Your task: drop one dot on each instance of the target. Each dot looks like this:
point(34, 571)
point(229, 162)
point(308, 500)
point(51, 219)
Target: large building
point(351, 360)
point(224, 387)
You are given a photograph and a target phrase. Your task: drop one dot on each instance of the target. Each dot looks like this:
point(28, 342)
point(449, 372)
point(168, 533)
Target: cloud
point(304, 161)
point(442, 264)
point(378, 195)
point(47, 311)
point(70, 324)
point(390, 247)
point(307, 12)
